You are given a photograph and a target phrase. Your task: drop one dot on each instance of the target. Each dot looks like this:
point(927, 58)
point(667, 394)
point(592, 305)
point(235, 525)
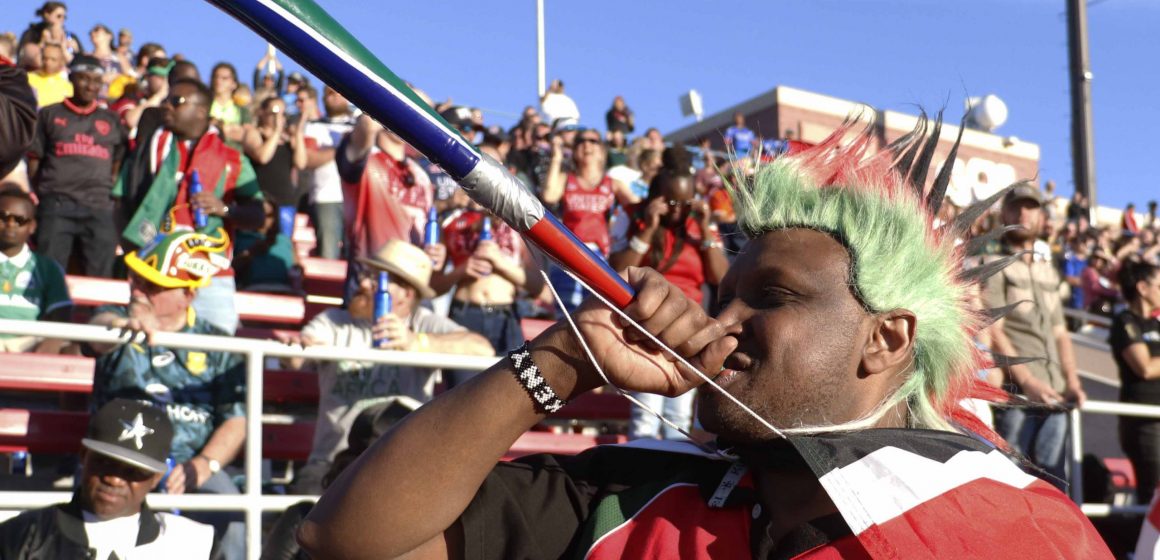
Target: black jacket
point(58, 533)
point(17, 117)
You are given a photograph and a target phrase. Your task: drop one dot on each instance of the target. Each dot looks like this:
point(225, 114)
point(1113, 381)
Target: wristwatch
point(214, 464)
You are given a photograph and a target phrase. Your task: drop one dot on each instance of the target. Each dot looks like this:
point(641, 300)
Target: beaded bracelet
point(528, 375)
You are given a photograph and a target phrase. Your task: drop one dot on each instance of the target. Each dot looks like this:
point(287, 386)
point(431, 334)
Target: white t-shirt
point(347, 387)
point(323, 182)
point(559, 106)
point(178, 538)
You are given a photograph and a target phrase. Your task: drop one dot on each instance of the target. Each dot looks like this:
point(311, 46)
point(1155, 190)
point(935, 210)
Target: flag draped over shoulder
point(929, 494)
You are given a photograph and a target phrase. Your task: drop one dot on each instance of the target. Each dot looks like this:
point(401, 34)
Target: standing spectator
point(1073, 261)
point(294, 82)
point(265, 260)
point(269, 78)
point(133, 105)
point(1099, 290)
point(50, 81)
point(1078, 208)
point(76, 154)
point(1128, 223)
point(17, 116)
point(386, 194)
point(320, 178)
point(50, 31)
point(1135, 341)
point(154, 189)
point(127, 83)
point(152, 117)
point(110, 62)
point(276, 149)
point(556, 105)
point(1050, 202)
point(348, 387)
point(656, 140)
point(1150, 219)
point(585, 197)
point(1035, 328)
point(738, 137)
point(619, 117)
point(203, 393)
point(122, 459)
point(672, 233)
point(227, 115)
point(32, 287)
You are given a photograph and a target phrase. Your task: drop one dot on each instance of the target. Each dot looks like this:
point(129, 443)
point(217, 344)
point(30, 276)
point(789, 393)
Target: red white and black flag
point(929, 494)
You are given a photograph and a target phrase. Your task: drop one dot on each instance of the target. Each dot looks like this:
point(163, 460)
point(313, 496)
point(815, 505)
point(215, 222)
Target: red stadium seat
point(46, 372)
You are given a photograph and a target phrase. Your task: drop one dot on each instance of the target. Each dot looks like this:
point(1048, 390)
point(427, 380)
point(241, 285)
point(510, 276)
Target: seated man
point(123, 457)
point(203, 393)
point(348, 387)
point(844, 340)
point(32, 287)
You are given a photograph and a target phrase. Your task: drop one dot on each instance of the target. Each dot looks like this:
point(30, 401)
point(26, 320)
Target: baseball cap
point(181, 259)
point(85, 63)
point(133, 432)
point(159, 66)
point(296, 77)
point(1023, 191)
point(459, 117)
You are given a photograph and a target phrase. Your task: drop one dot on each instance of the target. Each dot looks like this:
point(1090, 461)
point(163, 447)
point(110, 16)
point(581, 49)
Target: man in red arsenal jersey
point(73, 159)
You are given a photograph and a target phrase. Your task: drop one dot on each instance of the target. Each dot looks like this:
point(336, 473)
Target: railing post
point(254, 363)
point(1075, 458)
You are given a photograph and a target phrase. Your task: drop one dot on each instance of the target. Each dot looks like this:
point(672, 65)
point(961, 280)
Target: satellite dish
point(691, 105)
point(986, 113)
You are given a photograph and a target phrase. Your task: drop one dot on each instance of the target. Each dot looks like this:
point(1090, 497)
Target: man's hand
point(1040, 392)
point(438, 254)
point(488, 251)
point(188, 476)
point(210, 203)
point(139, 320)
point(477, 267)
point(634, 363)
point(396, 332)
point(1075, 394)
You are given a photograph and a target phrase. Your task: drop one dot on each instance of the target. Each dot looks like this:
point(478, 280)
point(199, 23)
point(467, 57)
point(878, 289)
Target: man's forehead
point(805, 255)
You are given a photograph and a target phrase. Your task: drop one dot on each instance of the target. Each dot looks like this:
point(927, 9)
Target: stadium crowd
point(188, 185)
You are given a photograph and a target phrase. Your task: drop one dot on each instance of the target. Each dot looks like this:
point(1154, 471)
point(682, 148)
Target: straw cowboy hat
point(406, 262)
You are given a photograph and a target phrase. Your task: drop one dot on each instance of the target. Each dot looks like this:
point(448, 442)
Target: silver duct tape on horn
point(493, 187)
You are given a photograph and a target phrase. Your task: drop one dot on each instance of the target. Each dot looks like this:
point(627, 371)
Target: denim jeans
point(229, 527)
point(678, 410)
point(1039, 435)
point(328, 228)
point(499, 325)
point(215, 303)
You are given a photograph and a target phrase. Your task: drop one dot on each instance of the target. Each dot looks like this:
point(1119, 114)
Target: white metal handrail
point(252, 502)
point(1076, 475)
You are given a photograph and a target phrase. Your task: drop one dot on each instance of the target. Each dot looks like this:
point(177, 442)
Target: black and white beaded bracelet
point(537, 387)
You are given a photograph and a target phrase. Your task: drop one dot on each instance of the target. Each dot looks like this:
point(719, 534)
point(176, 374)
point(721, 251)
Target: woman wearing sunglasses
point(585, 197)
point(276, 148)
point(672, 232)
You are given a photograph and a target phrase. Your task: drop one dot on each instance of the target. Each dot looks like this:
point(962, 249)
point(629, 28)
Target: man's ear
point(890, 346)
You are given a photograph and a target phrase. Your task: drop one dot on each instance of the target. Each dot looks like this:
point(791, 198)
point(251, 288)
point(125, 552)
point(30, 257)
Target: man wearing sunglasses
point(75, 155)
point(155, 189)
point(32, 287)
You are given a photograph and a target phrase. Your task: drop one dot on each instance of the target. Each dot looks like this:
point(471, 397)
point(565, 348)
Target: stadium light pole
point(1083, 160)
point(541, 85)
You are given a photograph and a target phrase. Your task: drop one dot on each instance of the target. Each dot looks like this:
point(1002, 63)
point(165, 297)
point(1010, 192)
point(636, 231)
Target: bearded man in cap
point(348, 387)
point(122, 459)
point(72, 163)
point(203, 393)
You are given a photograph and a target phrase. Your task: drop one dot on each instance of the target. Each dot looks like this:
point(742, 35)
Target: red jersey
point(688, 270)
point(461, 236)
point(585, 211)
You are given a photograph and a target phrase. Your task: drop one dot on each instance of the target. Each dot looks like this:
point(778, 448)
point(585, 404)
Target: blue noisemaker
point(199, 218)
point(382, 303)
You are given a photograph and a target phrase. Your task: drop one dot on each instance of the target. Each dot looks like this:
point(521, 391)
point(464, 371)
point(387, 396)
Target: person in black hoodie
point(17, 115)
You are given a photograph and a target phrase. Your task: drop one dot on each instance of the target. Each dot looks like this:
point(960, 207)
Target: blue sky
point(892, 54)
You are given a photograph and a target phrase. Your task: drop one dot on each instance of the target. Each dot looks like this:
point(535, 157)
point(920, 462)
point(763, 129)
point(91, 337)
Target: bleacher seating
point(252, 307)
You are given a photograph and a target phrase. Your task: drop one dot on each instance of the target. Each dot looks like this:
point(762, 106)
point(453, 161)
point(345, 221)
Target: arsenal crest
point(102, 127)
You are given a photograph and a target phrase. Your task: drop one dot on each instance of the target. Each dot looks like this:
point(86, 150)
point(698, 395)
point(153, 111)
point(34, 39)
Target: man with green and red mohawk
point(841, 351)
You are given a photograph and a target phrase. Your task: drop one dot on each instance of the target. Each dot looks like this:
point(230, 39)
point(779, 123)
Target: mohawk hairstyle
point(880, 209)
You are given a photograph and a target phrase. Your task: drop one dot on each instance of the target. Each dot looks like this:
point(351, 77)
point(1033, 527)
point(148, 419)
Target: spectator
point(1150, 219)
point(365, 430)
point(1135, 342)
point(269, 78)
point(1079, 207)
point(265, 260)
point(294, 82)
point(1035, 328)
point(50, 81)
point(227, 115)
point(133, 105)
point(585, 198)
point(1073, 261)
point(203, 393)
point(656, 140)
point(50, 31)
point(347, 387)
point(153, 117)
point(672, 233)
point(155, 197)
point(29, 57)
point(17, 116)
point(33, 286)
point(72, 162)
point(276, 149)
point(738, 137)
point(320, 179)
point(556, 105)
point(1099, 290)
point(103, 52)
point(386, 194)
point(8, 48)
point(122, 458)
point(127, 83)
point(1050, 202)
point(619, 117)
point(1128, 225)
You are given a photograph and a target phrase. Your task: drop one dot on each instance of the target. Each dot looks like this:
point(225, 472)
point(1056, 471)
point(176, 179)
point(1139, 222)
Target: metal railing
point(251, 501)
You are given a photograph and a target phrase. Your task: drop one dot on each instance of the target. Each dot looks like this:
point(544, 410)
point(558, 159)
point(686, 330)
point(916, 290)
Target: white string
point(622, 392)
point(674, 354)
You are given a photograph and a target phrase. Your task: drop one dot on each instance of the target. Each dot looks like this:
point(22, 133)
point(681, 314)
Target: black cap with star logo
point(135, 432)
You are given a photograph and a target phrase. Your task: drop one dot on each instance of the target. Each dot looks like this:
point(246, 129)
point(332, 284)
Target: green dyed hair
point(879, 209)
